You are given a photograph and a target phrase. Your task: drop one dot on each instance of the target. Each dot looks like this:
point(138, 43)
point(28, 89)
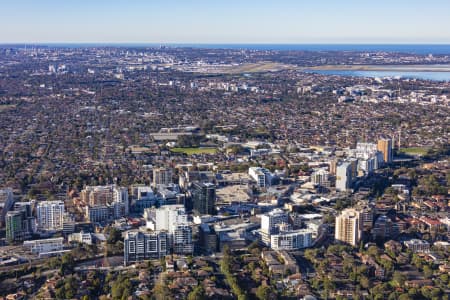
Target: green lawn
point(191, 151)
point(415, 150)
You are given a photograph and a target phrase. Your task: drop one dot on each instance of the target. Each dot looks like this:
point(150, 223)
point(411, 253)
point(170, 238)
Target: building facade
point(204, 198)
point(143, 245)
point(162, 176)
point(50, 215)
point(349, 227)
point(344, 177)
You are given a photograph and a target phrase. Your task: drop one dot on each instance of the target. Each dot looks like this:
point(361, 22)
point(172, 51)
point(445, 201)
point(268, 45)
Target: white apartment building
point(291, 240)
point(270, 220)
point(262, 176)
point(50, 215)
point(344, 177)
point(173, 219)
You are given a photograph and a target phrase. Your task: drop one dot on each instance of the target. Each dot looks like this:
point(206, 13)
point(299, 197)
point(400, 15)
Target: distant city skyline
point(232, 21)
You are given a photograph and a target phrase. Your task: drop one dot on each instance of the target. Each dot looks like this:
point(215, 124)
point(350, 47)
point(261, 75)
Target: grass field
point(415, 150)
point(191, 151)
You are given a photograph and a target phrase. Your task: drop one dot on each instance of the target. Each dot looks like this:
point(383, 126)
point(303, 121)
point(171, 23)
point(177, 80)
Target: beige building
point(349, 226)
point(385, 146)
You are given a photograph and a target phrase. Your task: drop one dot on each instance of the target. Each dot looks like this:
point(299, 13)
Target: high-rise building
point(333, 166)
point(262, 176)
point(349, 227)
point(143, 197)
point(6, 203)
point(173, 219)
point(50, 215)
point(181, 240)
point(385, 146)
point(19, 222)
point(142, 245)
point(320, 178)
point(208, 240)
point(204, 198)
point(110, 198)
point(162, 176)
point(166, 217)
point(344, 177)
point(271, 220)
point(14, 226)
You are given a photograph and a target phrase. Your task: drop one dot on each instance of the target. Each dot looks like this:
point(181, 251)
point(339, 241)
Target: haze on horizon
point(232, 21)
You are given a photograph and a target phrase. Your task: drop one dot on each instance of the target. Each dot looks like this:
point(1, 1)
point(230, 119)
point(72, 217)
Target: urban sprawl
point(185, 173)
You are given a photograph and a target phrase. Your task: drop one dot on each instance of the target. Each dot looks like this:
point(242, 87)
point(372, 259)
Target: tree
point(67, 264)
point(364, 282)
point(161, 292)
point(427, 271)
point(114, 236)
point(399, 278)
point(264, 292)
point(197, 294)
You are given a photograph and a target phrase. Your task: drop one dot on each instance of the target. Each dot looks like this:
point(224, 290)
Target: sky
point(230, 21)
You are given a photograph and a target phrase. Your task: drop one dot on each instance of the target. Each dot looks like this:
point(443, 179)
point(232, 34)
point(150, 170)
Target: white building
point(349, 227)
point(81, 237)
point(173, 219)
point(416, 245)
point(50, 215)
point(142, 245)
point(45, 247)
point(320, 178)
point(344, 177)
point(262, 176)
point(270, 221)
point(291, 240)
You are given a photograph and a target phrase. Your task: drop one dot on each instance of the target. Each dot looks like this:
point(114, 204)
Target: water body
point(423, 49)
point(434, 76)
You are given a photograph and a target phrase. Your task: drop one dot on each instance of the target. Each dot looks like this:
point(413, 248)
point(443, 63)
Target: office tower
point(344, 177)
point(50, 215)
point(385, 146)
point(204, 198)
point(19, 222)
point(208, 240)
point(14, 226)
point(162, 176)
point(142, 245)
point(6, 203)
point(349, 227)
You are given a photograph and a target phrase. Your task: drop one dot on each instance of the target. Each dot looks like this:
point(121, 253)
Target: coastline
point(399, 68)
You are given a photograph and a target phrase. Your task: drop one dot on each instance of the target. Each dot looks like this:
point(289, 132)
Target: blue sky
point(231, 21)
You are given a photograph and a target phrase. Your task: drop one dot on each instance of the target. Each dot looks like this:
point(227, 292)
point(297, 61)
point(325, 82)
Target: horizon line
point(228, 43)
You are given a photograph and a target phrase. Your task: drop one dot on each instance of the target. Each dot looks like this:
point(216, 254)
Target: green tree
point(264, 292)
point(197, 294)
